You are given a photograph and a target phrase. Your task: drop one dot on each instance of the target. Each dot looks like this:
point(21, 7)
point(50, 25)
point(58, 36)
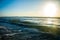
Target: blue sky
point(20, 7)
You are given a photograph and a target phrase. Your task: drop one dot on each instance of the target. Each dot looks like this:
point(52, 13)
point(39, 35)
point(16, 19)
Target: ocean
point(30, 28)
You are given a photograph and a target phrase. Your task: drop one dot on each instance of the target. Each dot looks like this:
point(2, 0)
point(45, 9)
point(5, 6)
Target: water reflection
point(30, 28)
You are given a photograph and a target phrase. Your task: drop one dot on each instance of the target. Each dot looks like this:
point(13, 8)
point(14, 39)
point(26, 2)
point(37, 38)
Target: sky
point(24, 7)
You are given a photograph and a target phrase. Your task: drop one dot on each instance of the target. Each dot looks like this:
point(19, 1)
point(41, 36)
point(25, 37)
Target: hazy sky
point(23, 7)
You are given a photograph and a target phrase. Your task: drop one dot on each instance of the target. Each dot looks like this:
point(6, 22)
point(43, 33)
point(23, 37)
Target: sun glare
point(49, 9)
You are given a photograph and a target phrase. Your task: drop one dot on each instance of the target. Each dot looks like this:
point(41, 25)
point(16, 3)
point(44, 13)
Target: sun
point(49, 9)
